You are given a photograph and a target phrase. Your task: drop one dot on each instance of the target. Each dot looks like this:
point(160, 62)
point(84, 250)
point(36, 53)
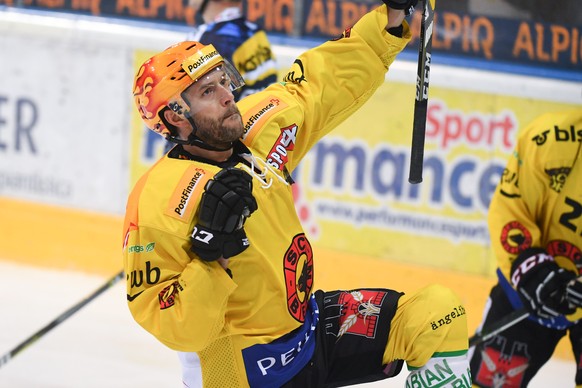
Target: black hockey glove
point(210, 245)
point(541, 284)
point(574, 292)
point(226, 203)
point(406, 5)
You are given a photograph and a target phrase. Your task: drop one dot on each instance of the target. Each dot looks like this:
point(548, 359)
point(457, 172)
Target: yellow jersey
point(538, 202)
point(194, 306)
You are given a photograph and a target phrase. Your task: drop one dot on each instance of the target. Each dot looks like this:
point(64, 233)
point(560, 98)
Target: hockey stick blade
point(503, 324)
point(57, 321)
point(421, 100)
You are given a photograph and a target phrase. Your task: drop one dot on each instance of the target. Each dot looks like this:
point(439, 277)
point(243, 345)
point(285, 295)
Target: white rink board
point(65, 104)
point(65, 99)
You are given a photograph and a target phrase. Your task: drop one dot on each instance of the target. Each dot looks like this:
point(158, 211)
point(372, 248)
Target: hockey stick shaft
point(57, 321)
point(421, 100)
point(503, 324)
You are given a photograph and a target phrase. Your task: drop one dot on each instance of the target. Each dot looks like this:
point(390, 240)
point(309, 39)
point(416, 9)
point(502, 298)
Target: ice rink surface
point(101, 346)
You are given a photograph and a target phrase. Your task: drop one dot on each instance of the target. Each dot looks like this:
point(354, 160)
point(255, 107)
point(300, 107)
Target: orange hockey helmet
point(160, 81)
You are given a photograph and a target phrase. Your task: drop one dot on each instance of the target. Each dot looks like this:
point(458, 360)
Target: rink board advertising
point(552, 40)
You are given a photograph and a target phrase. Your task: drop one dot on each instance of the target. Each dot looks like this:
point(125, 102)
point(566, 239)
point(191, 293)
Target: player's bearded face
point(228, 127)
point(217, 118)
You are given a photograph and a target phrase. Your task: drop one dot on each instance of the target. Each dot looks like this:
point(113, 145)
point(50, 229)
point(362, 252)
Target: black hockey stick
point(503, 324)
point(57, 321)
point(421, 101)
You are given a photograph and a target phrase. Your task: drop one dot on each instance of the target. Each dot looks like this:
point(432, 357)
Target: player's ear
point(173, 118)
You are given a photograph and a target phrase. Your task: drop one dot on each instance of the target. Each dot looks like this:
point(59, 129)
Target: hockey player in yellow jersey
point(218, 266)
point(535, 222)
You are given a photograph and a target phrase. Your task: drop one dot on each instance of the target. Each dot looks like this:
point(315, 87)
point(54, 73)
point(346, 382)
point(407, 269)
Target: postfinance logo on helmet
point(201, 62)
point(207, 59)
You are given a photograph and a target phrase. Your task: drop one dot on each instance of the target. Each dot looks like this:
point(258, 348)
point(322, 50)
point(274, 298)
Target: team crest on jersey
point(277, 156)
point(498, 369)
point(557, 177)
point(167, 296)
point(561, 248)
point(298, 268)
point(515, 237)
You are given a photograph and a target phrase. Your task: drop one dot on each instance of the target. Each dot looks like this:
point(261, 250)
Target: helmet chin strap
point(194, 140)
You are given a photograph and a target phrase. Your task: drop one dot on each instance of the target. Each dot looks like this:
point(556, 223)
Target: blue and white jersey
point(245, 45)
